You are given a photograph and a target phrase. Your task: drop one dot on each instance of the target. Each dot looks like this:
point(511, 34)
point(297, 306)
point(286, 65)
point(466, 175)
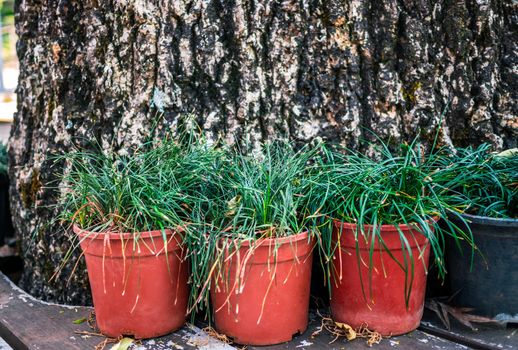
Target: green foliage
point(157, 186)
point(262, 197)
point(153, 188)
point(3, 160)
point(222, 198)
point(481, 182)
point(399, 187)
point(250, 198)
point(6, 7)
point(7, 34)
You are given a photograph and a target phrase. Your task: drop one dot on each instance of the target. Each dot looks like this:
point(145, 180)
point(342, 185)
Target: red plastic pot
point(261, 292)
point(384, 310)
point(136, 289)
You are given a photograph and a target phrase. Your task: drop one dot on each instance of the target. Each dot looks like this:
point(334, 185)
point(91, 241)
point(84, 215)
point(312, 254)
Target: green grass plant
point(396, 187)
point(154, 187)
point(479, 181)
point(219, 197)
point(251, 198)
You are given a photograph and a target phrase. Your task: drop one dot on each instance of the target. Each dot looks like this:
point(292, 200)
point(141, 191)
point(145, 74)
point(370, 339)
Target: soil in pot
point(379, 301)
point(490, 285)
point(137, 288)
point(261, 293)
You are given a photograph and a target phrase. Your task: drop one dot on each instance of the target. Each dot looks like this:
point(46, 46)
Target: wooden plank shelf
point(29, 324)
point(484, 337)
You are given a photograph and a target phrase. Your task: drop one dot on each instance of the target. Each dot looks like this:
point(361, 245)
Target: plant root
point(221, 337)
point(95, 332)
point(339, 329)
point(214, 334)
point(90, 320)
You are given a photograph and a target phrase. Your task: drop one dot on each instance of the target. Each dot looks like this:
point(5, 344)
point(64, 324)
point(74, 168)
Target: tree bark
point(249, 70)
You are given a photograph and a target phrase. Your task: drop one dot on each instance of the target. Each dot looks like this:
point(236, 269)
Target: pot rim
point(383, 227)
point(486, 220)
point(304, 235)
point(124, 236)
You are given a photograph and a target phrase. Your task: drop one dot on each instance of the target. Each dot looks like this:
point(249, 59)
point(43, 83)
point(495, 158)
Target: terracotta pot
point(382, 308)
point(261, 294)
point(136, 289)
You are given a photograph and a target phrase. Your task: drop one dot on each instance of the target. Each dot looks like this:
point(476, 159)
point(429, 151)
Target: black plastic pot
point(491, 287)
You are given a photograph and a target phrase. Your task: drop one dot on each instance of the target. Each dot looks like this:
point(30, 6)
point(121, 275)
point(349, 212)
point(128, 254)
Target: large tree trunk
point(249, 70)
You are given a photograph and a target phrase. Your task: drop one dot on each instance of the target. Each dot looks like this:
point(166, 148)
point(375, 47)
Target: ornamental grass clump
point(155, 187)
point(485, 184)
point(400, 187)
point(254, 253)
point(152, 188)
point(248, 199)
point(379, 225)
point(130, 215)
point(263, 197)
point(480, 182)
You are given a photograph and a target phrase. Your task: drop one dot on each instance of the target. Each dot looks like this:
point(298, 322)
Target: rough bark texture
point(250, 70)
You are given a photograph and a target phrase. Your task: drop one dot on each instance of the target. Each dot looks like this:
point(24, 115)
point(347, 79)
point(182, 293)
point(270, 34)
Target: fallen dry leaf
point(461, 314)
point(123, 344)
point(79, 321)
point(339, 329)
point(349, 332)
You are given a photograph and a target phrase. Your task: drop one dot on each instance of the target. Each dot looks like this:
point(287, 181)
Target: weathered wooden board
point(484, 337)
point(29, 324)
point(416, 340)
point(4, 345)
